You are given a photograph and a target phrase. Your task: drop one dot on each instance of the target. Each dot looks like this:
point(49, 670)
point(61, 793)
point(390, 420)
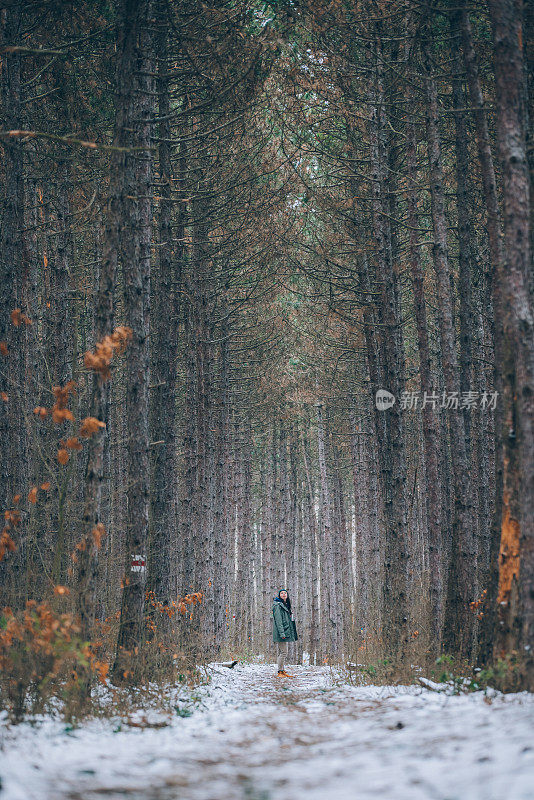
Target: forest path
point(252, 736)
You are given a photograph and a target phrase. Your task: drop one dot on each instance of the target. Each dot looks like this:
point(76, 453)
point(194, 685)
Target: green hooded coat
point(284, 628)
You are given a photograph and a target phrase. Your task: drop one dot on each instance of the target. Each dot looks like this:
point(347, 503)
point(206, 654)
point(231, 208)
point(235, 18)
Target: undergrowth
point(445, 674)
point(46, 667)
point(52, 660)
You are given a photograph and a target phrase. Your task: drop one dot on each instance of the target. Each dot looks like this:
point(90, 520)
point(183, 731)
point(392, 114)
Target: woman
point(284, 629)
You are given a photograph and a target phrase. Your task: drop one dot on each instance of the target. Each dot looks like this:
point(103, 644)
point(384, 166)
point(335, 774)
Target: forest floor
point(247, 735)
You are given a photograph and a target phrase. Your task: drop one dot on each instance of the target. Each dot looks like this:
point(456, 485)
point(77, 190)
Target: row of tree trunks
point(271, 292)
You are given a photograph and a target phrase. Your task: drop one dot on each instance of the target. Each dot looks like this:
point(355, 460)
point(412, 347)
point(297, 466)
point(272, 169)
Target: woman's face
point(283, 596)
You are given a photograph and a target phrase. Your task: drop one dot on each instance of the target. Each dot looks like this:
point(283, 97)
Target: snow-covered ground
point(254, 737)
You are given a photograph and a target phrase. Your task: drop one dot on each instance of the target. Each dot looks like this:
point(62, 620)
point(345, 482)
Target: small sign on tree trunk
point(138, 563)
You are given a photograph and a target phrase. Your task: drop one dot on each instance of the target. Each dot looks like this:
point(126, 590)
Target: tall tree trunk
point(393, 459)
point(99, 408)
point(267, 534)
point(515, 301)
point(430, 419)
point(13, 258)
point(314, 570)
point(344, 576)
point(330, 590)
point(362, 527)
point(164, 326)
point(464, 193)
point(221, 561)
point(458, 617)
point(493, 226)
point(135, 27)
point(60, 337)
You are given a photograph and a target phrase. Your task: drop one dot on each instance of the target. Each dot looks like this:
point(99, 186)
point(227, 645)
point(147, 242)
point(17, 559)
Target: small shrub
point(43, 656)
point(503, 675)
point(170, 651)
point(377, 672)
point(447, 672)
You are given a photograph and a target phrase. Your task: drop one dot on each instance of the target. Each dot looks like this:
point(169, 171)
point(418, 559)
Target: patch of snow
point(252, 735)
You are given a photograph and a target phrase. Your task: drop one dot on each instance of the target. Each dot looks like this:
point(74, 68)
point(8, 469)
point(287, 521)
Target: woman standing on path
point(284, 629)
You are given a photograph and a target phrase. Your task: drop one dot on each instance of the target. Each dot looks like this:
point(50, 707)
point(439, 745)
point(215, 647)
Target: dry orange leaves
point(97, 533)
point(476, 606)
point(32, 494)
point(52, 639)
point(18, 318)
point(63, 456)
point(60, 412)
point(99, 667)
point(38, 626)
point(90, 426)
point(62, 393)
point(111, 345)
point(176, 606)
point(60, 415)
point(7, 545)
point(12, 518)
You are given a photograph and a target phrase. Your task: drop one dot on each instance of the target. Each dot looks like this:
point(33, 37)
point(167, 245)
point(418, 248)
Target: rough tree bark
point(13, 259)
point(164, 325)
point(493, 226)
point(12, 255)
point(458, 616)
point(330, 591)
point(393, 459)
point(430, 419)
point(513, 298)
point(135, 25)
